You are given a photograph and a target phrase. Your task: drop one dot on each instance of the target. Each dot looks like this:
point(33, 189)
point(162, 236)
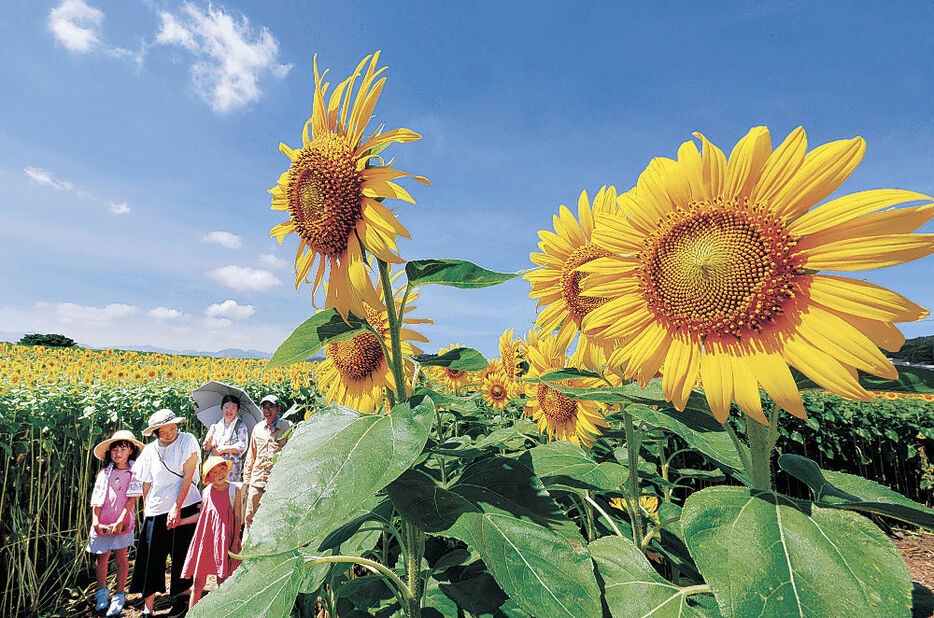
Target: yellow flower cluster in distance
point(36, 366)
point(709, 267)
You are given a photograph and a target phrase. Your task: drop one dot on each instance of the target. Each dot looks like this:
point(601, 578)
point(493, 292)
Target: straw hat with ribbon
point(161, 419)
point(100, 451)
point(210, 463)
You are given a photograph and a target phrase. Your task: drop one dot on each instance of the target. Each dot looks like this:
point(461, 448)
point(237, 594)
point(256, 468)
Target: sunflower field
point(700, 422)
point(55, 405)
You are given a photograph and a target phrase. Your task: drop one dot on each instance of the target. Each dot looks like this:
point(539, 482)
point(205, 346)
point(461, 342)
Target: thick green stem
point(376, 567)
point(634, 493)
point(608, 519)
point(740, 449)
point(415, 550)
point(761, 451)
point(394, 329)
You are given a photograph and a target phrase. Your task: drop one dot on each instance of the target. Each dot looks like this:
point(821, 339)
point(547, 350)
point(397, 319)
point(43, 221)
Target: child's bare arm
point(191, 519)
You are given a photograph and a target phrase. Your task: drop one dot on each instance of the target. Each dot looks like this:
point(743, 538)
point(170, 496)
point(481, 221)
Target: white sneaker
point(102, 598)
point(116, 604)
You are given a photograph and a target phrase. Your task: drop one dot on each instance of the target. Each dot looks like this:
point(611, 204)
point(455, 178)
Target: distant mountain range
point(13, 337)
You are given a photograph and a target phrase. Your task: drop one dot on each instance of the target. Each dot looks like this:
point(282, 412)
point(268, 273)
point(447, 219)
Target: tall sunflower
point(714, 264)
point(558, 416)
point(557, 283)
point(356, 371)
point(331, 192)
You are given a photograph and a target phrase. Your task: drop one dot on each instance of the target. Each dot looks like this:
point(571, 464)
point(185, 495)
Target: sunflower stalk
point(761, 451)
point(394, 330)
point(633, 445)
point(415, 550)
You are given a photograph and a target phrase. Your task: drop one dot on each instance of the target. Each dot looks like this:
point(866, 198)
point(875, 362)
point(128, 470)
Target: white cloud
point(271, 261)
point(230, 57)
point(224, 239)
point(76, 25)
point(122, 326)
point(230, 309)
point(118, 209)
point(164, 313)
point(72, 312)
point(216, 323)
point(245, 279)
point(45, 177)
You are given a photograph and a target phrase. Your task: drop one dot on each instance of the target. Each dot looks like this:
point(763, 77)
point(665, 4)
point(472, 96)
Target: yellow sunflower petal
point(717, 378)
point(848, 207)
point(823, 170)
point(868, 253)
point(862, 298)
point(747, 161)
point(780, 166)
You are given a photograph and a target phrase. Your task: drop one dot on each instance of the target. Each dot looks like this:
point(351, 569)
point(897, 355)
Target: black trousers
point(154, 545)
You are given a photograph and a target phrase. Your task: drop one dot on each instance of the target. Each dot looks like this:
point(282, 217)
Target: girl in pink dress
point(113, 517)
point(218, 529)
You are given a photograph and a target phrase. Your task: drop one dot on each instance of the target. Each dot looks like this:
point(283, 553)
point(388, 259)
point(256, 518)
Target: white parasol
point(208, 404)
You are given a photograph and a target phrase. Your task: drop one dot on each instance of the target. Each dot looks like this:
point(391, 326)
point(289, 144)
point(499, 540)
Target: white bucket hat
point(161, 419)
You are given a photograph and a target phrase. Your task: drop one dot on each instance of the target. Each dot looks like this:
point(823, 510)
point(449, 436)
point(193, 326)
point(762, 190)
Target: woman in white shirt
point(166, 468)
point(228, 437)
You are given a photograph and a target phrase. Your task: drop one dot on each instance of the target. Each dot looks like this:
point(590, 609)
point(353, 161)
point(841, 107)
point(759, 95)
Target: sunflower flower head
point(332, 192)
point(557, 282)
point(713, 272)
point(497, 390)
point(452, 379)
point(558, 416)
point(511, 354)
point(356, 371)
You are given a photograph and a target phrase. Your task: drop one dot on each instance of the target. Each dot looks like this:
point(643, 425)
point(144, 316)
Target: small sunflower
point(558, 416)
point(511, 354)
point(331, 192)
point(557, 283)
point(648, 504)
point(497, 390)
point(454, 379)
point(356, 371)
point(713, 273)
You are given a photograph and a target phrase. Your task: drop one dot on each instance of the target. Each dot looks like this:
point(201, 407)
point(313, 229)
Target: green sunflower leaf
point(631, 587)
point(311, 335)
point(566, 464)
point(495, 508)
point(458, 359)
point(848, 491)
point(280, 578)
point(454, 273)
point(334, 462)
point(767, 555)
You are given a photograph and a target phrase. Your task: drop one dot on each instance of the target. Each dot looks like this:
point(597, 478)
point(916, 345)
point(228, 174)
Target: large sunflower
point(356, 371)
point(558, 416)
point(713, 273)
point(331, 192)
point(557, 283)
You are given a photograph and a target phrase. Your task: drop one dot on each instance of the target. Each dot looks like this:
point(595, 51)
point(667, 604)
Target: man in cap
point(266, 441)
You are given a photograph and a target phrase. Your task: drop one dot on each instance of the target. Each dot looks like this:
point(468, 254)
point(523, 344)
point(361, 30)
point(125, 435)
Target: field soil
point(134, 602)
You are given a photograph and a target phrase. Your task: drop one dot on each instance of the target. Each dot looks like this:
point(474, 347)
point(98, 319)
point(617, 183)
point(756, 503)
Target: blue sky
point(138, 138)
